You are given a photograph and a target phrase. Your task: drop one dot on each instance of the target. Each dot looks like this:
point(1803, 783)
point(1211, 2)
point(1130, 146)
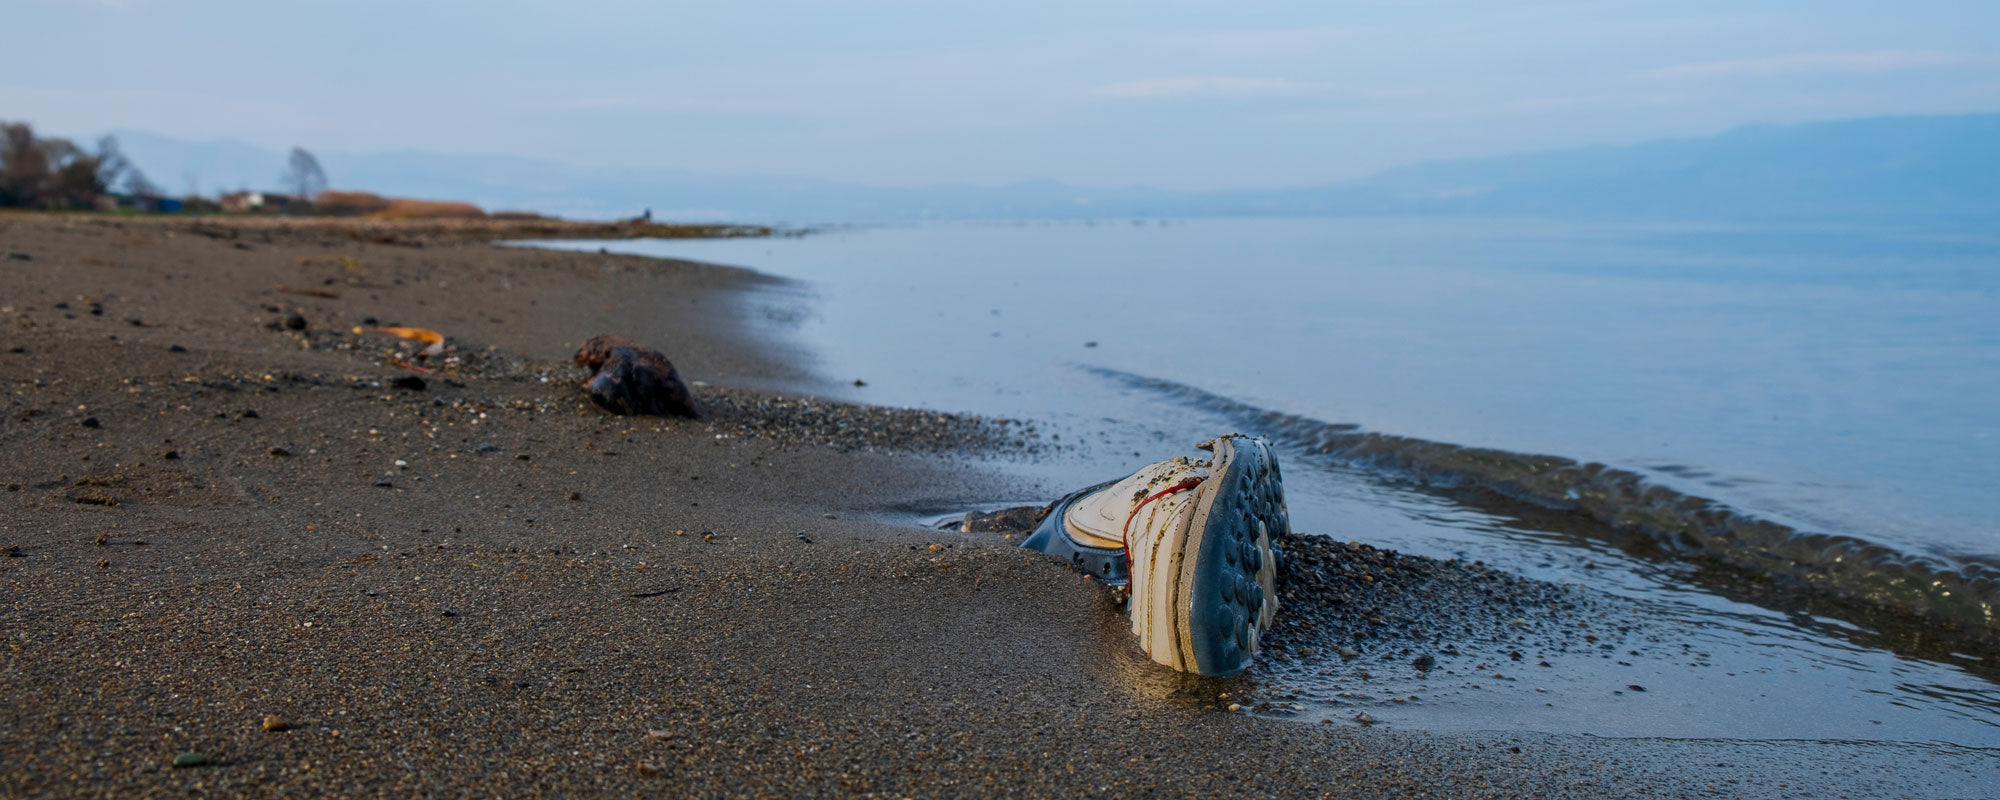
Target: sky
point(1178, 95)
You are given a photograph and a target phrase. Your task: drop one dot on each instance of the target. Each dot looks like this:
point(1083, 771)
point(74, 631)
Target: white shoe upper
point(1100, 519)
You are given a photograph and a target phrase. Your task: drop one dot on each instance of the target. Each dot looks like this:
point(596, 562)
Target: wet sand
point(488, 587)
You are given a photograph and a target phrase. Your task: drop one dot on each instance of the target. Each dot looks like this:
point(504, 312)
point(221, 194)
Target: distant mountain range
point(1863, 169)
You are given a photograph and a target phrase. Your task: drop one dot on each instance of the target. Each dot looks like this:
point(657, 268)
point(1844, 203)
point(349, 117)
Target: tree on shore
point(303, 175)
point(53, 172)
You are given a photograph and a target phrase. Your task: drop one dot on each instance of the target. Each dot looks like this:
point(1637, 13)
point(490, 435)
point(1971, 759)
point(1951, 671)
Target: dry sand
point(486, 587)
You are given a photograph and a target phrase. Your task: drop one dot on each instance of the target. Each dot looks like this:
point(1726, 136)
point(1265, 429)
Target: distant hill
point(1876, 168)
point(1936, 165)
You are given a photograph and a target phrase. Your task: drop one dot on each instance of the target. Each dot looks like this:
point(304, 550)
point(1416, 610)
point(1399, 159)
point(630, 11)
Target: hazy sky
point(1172, 94)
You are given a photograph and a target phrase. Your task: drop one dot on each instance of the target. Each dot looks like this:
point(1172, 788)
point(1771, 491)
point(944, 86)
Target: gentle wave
point(1960, 594)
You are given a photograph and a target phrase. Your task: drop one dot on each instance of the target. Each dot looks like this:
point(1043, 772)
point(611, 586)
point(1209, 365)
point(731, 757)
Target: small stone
point(1424, 662)
point(296, 322)
point(576, 497)
point(1349, 652)
point(103, 563)
point(860, 382)
point(275, 723)
point(646, 769)
point(280, 452)
point(803, 537)
point(1236, 706)
point(190, 759)
point(450, 613)
point(411, 382)
point(1364, 718)
point(488, 447)
point(171, 455)
point(1636, 687)
point(659, 735)
point(176, 349)
point(91, 422)
point(384, 485)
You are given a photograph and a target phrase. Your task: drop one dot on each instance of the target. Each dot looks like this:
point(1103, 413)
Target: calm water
point(1839, 380)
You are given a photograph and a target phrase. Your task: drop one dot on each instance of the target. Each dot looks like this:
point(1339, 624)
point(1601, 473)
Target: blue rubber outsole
point(1227, 598)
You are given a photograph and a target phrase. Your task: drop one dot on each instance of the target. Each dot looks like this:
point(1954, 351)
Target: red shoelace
point(1125, 535)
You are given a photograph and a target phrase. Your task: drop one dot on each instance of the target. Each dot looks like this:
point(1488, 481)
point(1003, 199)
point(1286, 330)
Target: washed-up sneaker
point(1191, 542)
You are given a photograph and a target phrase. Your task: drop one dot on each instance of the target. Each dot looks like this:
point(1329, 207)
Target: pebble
point(1349, 652)
point(1236, 706)
point(275, 723)
point(190, 759)
point(659, 735)
point(646, 769)
point(1364, 719)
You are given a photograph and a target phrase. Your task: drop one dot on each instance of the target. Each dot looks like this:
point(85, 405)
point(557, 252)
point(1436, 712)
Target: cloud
point(1200, 86)
point(1867, 62)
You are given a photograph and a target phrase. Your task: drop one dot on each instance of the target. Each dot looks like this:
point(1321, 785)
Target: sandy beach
point(235, 527)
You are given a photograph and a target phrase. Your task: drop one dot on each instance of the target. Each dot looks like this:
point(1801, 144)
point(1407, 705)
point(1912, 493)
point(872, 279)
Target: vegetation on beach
point(55, 174)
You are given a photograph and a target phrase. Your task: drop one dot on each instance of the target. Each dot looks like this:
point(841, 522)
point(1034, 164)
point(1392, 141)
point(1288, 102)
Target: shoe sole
point(1226, 594)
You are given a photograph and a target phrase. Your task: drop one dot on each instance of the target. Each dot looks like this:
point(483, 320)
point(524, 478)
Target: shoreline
point(491, 624)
